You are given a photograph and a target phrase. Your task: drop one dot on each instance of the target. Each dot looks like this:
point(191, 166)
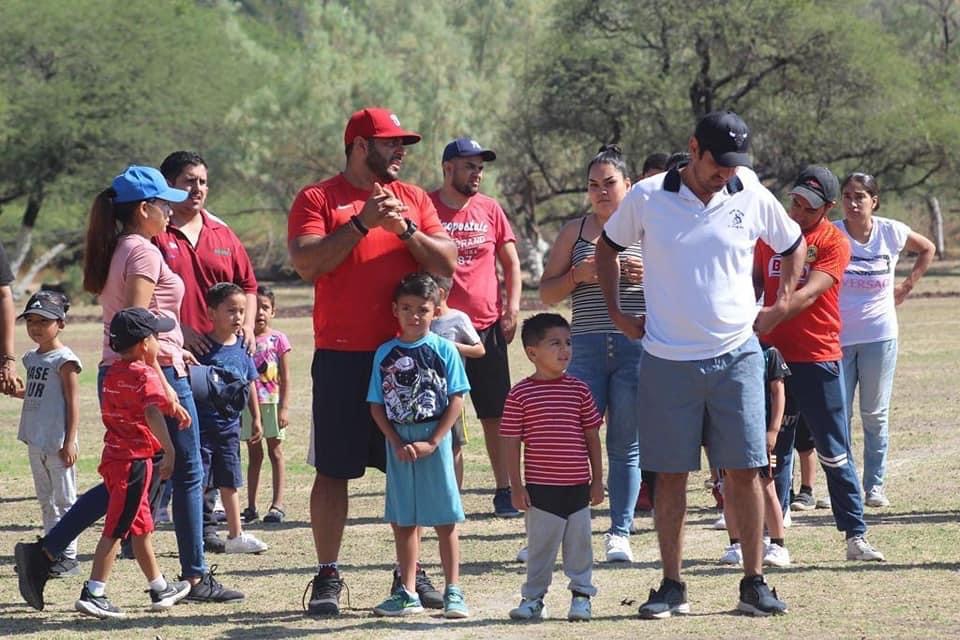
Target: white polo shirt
point(698, 260)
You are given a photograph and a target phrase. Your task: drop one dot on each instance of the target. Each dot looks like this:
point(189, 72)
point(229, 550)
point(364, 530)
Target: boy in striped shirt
point(554, 416)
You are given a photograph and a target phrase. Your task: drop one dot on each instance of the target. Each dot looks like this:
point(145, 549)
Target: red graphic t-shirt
point(128, 388)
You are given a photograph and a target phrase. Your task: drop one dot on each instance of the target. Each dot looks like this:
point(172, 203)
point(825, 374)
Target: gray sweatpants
point(546, 533)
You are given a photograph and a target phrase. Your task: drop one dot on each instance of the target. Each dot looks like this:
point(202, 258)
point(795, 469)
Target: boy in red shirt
point(554, 416)
point(133, 403)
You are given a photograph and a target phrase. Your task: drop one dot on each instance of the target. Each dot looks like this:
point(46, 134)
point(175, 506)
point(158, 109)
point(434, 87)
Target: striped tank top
point(590, 313)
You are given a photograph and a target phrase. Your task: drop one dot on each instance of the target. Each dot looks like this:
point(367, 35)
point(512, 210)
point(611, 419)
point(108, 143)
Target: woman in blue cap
point(125, 269)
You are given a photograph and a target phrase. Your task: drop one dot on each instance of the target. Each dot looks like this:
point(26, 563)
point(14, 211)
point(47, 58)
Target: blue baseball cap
point(144, 183)
point(465, 148)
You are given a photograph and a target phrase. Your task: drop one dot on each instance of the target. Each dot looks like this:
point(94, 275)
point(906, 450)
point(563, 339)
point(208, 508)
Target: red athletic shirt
point(480, 230)
point(129, 387)
point(550, 417)
point(218, 257)
point(352, 304)
point(813, 335)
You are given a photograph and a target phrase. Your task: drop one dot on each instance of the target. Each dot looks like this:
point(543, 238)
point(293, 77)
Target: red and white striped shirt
point(550, 417)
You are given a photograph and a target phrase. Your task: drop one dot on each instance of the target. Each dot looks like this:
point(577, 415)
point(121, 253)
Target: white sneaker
point(219, 513)
point(787, 519)
point(244, 543)
point(618, 548)
point(824, 503)
point(522, 554)
point(876, 497)
point(859, 549)
point(579, 609)
point(732, 555)
point(776, 556)
point(721, 523)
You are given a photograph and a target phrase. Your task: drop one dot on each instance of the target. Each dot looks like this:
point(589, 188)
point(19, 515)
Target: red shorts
point(128, 508)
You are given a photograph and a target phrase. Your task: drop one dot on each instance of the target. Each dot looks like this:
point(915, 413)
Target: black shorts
point(345, 440)
point(489, 376)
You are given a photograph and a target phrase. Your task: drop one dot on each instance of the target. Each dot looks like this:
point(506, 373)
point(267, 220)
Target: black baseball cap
point(726, 137)
point(817, 185)
point(131, 325)
point(465, 148)
point(51, 305)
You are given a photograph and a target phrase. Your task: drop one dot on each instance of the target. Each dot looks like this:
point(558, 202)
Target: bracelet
point(359, 226)
point(8, 358)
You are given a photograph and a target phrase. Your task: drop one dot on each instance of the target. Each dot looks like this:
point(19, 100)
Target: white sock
point(158, 584)
point(96, 588)
point(412, 594)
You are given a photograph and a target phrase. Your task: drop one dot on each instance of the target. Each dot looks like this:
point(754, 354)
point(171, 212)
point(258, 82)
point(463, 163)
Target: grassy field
point(916, 593)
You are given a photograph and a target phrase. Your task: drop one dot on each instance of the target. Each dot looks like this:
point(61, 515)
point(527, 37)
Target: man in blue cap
point(483, 235)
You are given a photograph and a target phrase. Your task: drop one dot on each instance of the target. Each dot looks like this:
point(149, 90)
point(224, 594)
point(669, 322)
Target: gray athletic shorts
point(717, 403)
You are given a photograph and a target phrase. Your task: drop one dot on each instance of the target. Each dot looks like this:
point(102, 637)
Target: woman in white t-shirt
point(868, 299)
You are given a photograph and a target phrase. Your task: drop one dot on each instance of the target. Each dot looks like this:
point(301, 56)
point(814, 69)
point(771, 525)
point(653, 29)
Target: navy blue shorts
point(220, 456)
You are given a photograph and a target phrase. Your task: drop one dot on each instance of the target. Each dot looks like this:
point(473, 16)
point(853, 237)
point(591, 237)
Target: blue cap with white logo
point(144, 183)
point(465, 148)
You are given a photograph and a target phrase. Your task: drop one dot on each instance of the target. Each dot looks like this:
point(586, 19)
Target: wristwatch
point(358, 225)
point(411, 229)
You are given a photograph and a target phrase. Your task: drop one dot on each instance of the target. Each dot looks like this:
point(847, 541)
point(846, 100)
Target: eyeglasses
point(163, 205)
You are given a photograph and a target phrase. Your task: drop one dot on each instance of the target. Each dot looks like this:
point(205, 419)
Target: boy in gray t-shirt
point(455, 325)
point(49, 419)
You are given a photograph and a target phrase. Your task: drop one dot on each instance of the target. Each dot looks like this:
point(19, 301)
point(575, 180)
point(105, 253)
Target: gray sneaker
point(669, 599)
point(803, 501)
point(757, 599)
point(859, 549)
point(64, 567)
point(876, 497)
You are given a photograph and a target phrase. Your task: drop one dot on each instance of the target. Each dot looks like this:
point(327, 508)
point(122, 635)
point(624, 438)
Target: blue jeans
point(607, 363)
point(187, 491)
point(871, 366)
point(817, 388)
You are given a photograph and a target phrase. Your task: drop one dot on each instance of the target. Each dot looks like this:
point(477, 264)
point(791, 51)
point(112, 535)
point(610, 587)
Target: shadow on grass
point(712, 569)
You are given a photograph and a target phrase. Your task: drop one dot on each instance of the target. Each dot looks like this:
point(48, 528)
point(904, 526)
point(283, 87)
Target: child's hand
point(165, 467)
point(423, 448)
point(283, 418)
point(596, 492)
point(256, 431)
point(520, 498)
point(181, 415)
point(772, 440)
point(405, 452)
point(68, 454)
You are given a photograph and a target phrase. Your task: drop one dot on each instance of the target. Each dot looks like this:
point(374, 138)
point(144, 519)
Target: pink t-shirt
point(480, 229)
point(270, 346)
point(136, 256)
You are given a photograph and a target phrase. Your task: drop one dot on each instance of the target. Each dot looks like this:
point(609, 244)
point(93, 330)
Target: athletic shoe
point(732, 554)
point(33, 571)
point(720, 523)
point(787, 520)
point(644, 500)
point(532, 609)
point(219, 513)
point(618, 548)
point(274, 515)
point(824, 503)
point(166, 598)
point(428, 594)
point(96, 606)
point(523, 554)
point(502, 504)
point(209, 589)
point(212, 543)
point(65, 567)
point(325, 595)
point(245, 543)
point(249, 515)
point(859, 549)
point(400, 603)
point(876, 497)
point(776, 556)
point(669, 599)
point(803, 501)
point(454, 605)
point(757, 599)
point(579, 609)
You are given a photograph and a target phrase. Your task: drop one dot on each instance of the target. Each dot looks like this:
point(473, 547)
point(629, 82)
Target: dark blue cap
point(131, 325)
point(219, 388)
point(465, 148)
point(144, 183)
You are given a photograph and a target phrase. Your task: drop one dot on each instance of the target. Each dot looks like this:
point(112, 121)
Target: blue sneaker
point(454, 605)
point(532, 609)
point(503, 505)
point(400, 603)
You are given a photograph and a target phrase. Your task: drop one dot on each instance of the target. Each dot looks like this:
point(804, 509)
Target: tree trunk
point(936, 224)
point(25, 235)
point(25, 283)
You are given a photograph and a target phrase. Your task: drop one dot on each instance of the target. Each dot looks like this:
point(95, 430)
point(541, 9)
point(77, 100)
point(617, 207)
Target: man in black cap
point(701, 373)
point(483, 235)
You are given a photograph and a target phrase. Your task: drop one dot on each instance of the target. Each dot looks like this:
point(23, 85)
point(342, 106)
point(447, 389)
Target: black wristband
point(359, 226)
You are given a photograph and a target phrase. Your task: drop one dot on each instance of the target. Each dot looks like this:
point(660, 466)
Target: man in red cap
point(354, 236)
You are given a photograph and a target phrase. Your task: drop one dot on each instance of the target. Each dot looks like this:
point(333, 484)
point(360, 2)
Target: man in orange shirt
point(809, 339)
point(354, 236)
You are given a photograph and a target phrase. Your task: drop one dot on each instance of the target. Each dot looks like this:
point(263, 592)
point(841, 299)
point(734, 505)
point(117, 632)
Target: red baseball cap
point(376, 122)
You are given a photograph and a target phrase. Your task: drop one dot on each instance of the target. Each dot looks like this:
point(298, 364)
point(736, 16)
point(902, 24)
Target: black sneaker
point(429, 596)
point(96, 606)
point(166, 598)
point(209, 589)
point(33, 571)
point(212, 543)
point(325, 593)
point(64, 567)
point(757, 599)
point(671, 598)
point(249, 515)
point(502, 504)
